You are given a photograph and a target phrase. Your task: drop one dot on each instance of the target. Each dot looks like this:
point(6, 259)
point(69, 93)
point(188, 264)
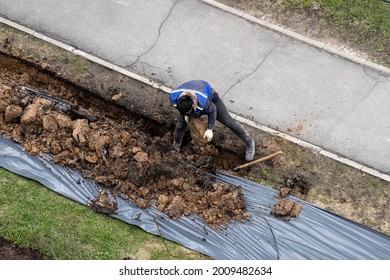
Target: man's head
point(185, 103)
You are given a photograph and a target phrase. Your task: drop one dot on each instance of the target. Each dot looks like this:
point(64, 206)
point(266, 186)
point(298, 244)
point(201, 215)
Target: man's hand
point(208, 135)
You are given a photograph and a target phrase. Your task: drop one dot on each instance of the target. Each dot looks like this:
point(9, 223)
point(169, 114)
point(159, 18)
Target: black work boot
point(250, 150)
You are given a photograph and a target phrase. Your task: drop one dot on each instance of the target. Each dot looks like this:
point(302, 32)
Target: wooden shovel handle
point(258, 160)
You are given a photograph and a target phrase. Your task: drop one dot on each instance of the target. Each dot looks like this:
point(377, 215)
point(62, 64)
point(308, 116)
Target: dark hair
point(184, 104)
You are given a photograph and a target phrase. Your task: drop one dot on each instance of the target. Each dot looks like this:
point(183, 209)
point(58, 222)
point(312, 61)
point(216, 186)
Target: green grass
point(267, 177)
point(365, 23)
point(375, 183)
point(77, 65)
point(33, 216)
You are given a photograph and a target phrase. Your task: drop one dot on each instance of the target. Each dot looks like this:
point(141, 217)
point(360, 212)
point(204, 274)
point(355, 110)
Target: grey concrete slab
point(263, 75)
point(333, 103)
point(119, 31)
point(197, 42)
point(364, 131)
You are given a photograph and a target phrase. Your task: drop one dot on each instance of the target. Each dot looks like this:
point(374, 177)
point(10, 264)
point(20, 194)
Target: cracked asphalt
point(262, 75)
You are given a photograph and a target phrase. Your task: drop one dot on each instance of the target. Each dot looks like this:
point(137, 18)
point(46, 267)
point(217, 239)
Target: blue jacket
point(204, 94)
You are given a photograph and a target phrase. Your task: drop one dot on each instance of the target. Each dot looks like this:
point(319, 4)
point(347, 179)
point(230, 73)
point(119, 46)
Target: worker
point(196, 98)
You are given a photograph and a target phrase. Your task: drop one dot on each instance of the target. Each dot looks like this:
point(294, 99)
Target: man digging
point(196, 98)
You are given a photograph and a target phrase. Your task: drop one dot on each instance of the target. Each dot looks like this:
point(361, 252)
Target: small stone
point(116, 97)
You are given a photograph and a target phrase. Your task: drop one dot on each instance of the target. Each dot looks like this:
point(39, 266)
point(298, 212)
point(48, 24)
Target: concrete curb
point(315, 148)
point(317, 44)
point(165, 89)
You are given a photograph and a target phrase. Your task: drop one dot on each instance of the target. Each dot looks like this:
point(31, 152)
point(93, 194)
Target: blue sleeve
point(211, 112)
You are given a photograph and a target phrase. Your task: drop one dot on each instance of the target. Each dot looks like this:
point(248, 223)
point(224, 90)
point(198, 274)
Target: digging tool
point(74, 110)
point(258, 160)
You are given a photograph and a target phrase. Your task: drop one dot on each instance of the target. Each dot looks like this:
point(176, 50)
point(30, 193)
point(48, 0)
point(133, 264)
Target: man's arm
point(211, 112)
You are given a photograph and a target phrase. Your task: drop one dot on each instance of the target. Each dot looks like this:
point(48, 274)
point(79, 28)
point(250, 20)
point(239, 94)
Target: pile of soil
point(130, 155)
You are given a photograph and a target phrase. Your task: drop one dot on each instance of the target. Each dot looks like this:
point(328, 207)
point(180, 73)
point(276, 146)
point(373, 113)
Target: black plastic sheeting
point(316, 234)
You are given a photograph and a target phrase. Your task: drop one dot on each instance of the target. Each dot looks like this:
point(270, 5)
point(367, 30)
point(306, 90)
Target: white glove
point(208, 135)
point(187, 119)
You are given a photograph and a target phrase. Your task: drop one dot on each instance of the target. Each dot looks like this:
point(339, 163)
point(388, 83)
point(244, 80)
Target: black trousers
point(223, 117)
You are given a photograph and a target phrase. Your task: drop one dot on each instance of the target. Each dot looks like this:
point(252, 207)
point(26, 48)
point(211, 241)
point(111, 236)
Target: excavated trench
point(130, 154)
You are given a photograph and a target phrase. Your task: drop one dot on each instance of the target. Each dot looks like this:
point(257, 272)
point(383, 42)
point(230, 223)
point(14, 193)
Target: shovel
point(257, 161)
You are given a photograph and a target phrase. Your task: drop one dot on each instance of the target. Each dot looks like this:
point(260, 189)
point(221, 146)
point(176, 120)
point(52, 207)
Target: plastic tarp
point(316, 234)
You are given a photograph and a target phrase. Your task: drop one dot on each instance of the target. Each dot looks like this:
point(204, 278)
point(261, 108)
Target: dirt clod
point(296, 183)
point(103, 203)
point(12, 112)
point(197, 128)
point(30, 113)
point(286, 209)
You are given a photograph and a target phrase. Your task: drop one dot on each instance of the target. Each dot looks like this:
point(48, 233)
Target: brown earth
point(129, 147)
point(9, 251)
point(128, 154)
